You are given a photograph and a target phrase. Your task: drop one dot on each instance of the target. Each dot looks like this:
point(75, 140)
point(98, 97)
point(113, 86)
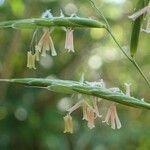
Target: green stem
point(130, 59)
point(101, 14)
point(70, 87)
point(113, 37)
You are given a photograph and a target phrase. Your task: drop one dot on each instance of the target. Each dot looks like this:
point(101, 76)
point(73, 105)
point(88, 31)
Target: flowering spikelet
point(128, 85)
point(47, 14)
point(46, 44)
point(113, 117)
point(100, 83)
point(68, 124)
point(139, 13)
point(69, 40)
point(31, 60)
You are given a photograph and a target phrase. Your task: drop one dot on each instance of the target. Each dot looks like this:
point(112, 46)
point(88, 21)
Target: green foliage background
point(33, 118)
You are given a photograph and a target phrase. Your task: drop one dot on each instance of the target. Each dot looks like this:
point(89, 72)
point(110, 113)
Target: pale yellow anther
point(37, 55)
point(84, 110)
point(68, 124)
point(30, 60)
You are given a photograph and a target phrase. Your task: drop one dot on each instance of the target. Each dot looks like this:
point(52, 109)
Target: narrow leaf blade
point(136, 27)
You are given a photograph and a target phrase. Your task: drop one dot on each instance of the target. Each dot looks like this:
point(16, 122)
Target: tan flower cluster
point(46, 44)
point(91, 111)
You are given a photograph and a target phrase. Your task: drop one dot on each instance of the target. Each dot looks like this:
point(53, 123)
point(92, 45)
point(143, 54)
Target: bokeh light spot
point(21, 114)
point(95, 62)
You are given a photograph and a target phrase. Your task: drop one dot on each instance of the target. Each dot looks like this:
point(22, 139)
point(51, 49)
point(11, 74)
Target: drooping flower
point(112, 117)
point(69, 45)
point(68, 124)
point(89, 114)
point(31, 60)
point(46, 44)
point(128, 85)
point(84, 110)
point(90, 118)
point(141, 12)
point(95, 107)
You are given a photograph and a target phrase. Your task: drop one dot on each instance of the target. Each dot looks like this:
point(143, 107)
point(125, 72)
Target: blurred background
point(33, 118)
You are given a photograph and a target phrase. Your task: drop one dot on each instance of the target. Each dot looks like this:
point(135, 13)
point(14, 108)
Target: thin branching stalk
point(132, 60)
